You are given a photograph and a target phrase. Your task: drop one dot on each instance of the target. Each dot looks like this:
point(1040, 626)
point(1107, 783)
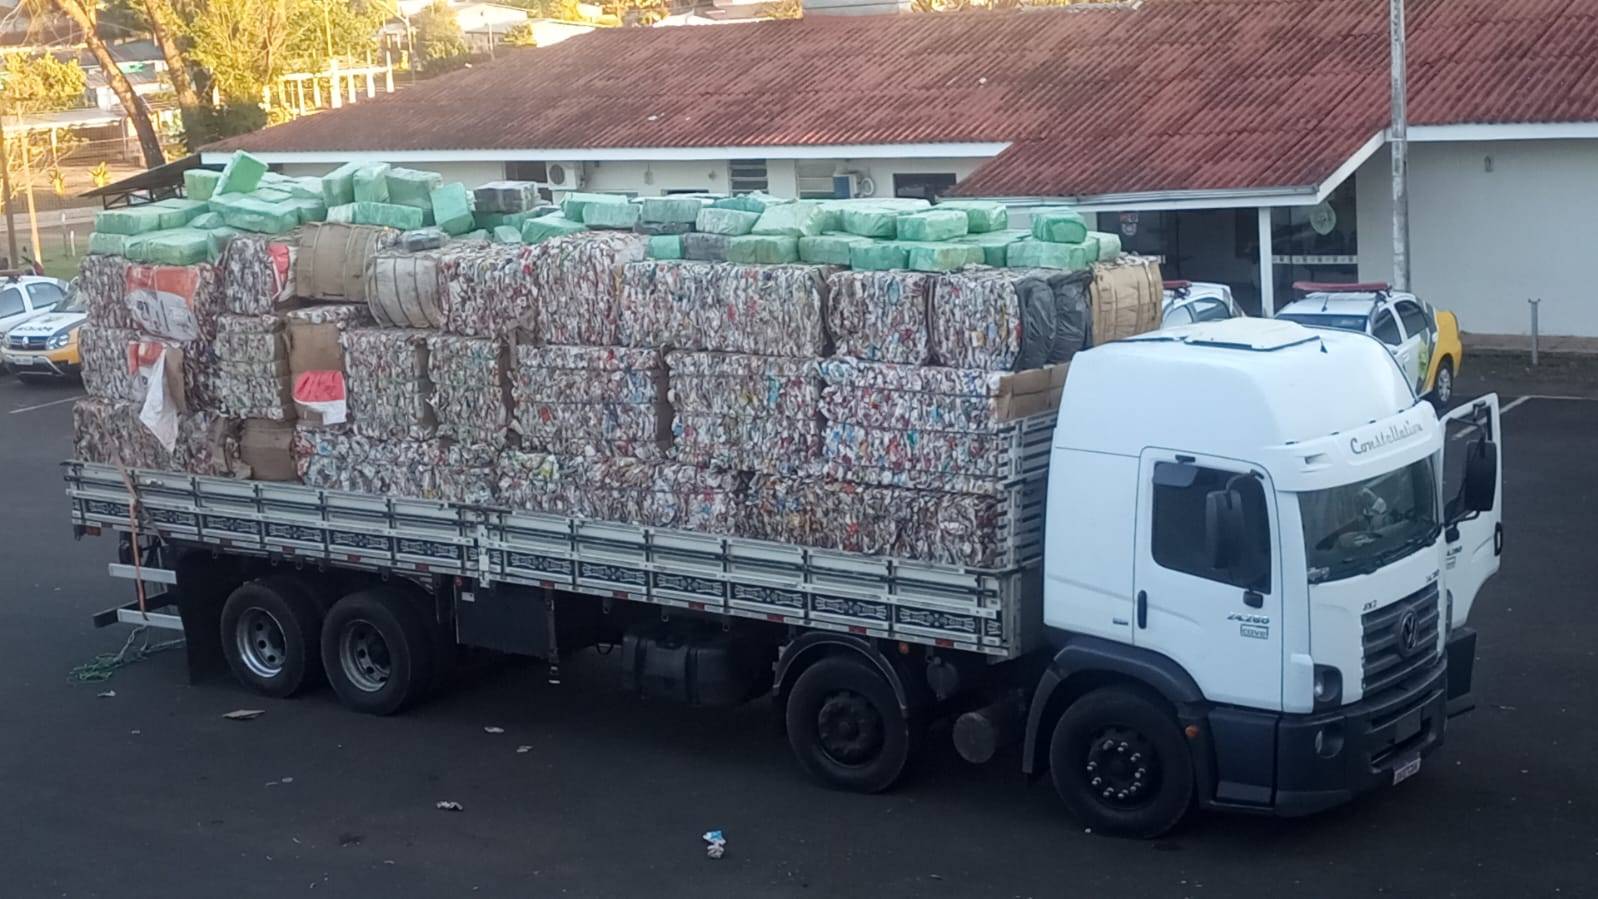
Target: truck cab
point(1295, 597)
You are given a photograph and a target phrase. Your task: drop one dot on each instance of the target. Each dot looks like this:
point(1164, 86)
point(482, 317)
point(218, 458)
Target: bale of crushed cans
point(339, 459)
point(625, 489)
point(110, 432)
point(574, 285)
point(257, 273)
point(103, 283)
point(607, 401)
point(252, 368)
point(387, 385)
point(881, 315)
point(737, 411)
point(471, 391)
point(762, 310)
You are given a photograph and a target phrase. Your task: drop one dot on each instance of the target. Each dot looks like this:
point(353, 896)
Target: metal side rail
point(158, 578)
point(980, 610)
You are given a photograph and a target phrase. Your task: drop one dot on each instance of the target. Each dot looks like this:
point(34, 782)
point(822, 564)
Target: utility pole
point(33, 213)
point(5, 185)
point(1399, 146)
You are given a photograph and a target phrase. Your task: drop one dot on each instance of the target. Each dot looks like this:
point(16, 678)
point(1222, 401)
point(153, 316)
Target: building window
point(815, 179)
point(923, 187)
point(527, 171)
point(746, 175)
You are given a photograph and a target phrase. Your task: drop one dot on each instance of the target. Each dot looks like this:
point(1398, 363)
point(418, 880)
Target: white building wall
point(471, 174)
point(652, 179)
point(1491, 224)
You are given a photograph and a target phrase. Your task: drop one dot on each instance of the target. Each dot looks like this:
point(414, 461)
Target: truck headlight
point(61, 340)
point(1328, 687)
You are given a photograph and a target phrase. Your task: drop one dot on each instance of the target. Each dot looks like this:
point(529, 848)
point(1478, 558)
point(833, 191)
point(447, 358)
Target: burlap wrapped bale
point(406, 290)
point(591, 400)
point(574, 282)
point(763, 310)
point(881, 316)
point(386, 378)
point(1127, 295)
point(331, 261)
point(471, 388)
point(751, 413)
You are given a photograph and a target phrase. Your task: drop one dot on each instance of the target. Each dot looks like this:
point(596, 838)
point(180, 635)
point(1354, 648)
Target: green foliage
point(206, 124)
point(440, 45)
point(41, 83)
point(521, 36)
point(563, 10)
point(247, 44)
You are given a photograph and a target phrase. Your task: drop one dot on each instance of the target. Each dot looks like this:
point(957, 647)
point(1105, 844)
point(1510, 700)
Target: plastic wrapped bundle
point(575, 205)
point(756, 202)
point(106, 371)
point(590, 400)
point(730, 222)
point(406, 290)
point(574, 282)
point(175, 246)
point(982, 216)
point(1029, 253)
point(110, 432)
point(670, 209)
point(252, 371)
point(257, 274)
point(666, 495)
point(752, 413)
point(829, 249)
point(665, 246)
point(705, 247)
point(386, 378)
point(199, 184)
point(881, 315)
point(762, 310)
point(995, 319)
point(542, 228)
point(412, 187)
point(870, 221)
point(1059, 227)
point(506, 196)
point(470, 390)
point(103, 282)
point(488, 291)
point(927, 526)
point(932, 225)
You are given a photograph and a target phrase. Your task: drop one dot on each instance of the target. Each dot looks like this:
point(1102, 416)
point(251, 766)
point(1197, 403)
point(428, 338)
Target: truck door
point(1213, 607)
point(1475, 543)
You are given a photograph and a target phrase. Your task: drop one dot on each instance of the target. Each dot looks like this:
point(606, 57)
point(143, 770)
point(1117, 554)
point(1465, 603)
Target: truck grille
point(1400, 640)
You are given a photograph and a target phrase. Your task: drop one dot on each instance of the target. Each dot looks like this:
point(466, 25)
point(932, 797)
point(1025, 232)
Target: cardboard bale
point(1127, 295)
point(267, 447)
point(312, 335)
point(406, 290)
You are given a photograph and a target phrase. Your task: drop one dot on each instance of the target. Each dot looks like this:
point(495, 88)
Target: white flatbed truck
point(1232, 578)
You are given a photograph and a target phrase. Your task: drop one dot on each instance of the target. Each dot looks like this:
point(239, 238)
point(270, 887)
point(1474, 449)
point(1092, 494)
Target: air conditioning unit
point(564, 175)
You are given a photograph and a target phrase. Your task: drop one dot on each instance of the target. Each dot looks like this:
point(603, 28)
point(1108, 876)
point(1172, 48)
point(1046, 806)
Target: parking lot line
point(47, 405)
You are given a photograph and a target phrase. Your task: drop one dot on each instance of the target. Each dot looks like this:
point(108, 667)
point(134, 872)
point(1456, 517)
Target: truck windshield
point(1340, 322)
point(1357, 528)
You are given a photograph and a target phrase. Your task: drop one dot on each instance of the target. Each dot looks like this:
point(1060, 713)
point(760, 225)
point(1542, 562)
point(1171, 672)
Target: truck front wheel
point(846, 727)
point(1119, 762)
point(377, 651)
point(269, 636)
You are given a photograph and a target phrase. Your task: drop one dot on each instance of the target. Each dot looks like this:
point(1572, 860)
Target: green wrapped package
point(982, 216)
point(481, 234)
point(731, 222)
point(370, 183)
point(1059, 227)
point(994, 245)
point(506, 234)
point(574, 203)
point(799, 219)
point(1031, 253)
point(547, 226)
point(934, 225)
point(241, 174)
point(939, 256)
point(199, 184)
point(391, 215)
point(1109, 245)
point(270, 195)
point(452, 207)
point(877, 255)
point(665, 246)
point(762, 249)
point(495, 219)
point(216, 240)
point(306, 188)
point(667, 210)
point(412, 187)
point(829, 249)
point(611, 215)
point(338, 186)
point(311, 209)
point(104, 243)
point(178, 246)
point(870, 221)
point(251, 214)
point(756, 202)
point(205, 221)
point(177, 212)
point(130, 220)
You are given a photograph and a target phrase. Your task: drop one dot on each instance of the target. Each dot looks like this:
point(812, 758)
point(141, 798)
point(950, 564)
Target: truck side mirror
point(1223, 527)
point(1481, 477)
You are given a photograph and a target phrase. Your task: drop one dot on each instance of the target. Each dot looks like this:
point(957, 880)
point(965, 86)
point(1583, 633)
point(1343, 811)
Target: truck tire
point(1120, 763)
point(846, 727)
point(270, 636)
point(377, 651)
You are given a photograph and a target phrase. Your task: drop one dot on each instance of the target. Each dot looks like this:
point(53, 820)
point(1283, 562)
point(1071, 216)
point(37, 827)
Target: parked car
point(24, 296)
point(46, 343)
point(1423, 339)
point(1187, 302)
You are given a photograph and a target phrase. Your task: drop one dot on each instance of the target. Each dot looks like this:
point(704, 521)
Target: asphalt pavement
point(151, 792)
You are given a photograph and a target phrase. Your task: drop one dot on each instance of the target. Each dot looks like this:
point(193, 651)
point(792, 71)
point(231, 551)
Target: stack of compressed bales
point(470, 398)
point(111, 432)
point(621, 488)
point(253, 379)
point(573, 284)
point(424, 469)
point(591, 401)
point(768, 310)
point(881, 316)
point(744, 412)
point(386, 375)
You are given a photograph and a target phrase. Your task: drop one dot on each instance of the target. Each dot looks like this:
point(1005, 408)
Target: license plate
point(1406, 770)
point(20, 360)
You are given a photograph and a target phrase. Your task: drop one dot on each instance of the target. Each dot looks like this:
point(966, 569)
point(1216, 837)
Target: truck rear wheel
point(846, 727)
point(1120, 763)
point(270, 631)
point(377, 651)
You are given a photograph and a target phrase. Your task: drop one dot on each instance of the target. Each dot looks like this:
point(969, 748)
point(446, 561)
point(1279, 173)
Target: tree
point(165, 30)
point(83, 14)
point(637, 12)
point(33, 84)
point(786, 9)
point(440, 44)
point(246, 45)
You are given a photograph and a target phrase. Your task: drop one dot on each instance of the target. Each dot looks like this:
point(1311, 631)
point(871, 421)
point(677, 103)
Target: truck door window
point(1178, 531)
point(10, 301)
point(1386, 328)
point(1414, 319)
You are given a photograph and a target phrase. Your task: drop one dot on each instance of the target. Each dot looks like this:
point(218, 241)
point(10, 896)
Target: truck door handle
point(1142, 609)
point(1253, 599)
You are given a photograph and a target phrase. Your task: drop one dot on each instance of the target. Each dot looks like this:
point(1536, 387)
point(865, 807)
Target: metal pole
point(1399, 144)
point(1534, 304)
point(5, 184)
point(1267, 267)
point(27, 188)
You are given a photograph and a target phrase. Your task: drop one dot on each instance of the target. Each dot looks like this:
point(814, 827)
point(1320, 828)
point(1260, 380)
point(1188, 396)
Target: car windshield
point(75, 301)
point(1340, 322)
point(1357, 528)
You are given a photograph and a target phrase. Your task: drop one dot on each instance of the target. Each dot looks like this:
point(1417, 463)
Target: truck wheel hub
point(850, 728)
point(364, 656)
point(1121, 768)
point(261, 644)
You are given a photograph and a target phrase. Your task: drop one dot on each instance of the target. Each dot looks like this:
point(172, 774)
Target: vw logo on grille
point(1409, 632)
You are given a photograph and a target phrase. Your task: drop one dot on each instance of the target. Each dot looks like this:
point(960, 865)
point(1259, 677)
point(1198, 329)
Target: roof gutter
point(628, 154)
